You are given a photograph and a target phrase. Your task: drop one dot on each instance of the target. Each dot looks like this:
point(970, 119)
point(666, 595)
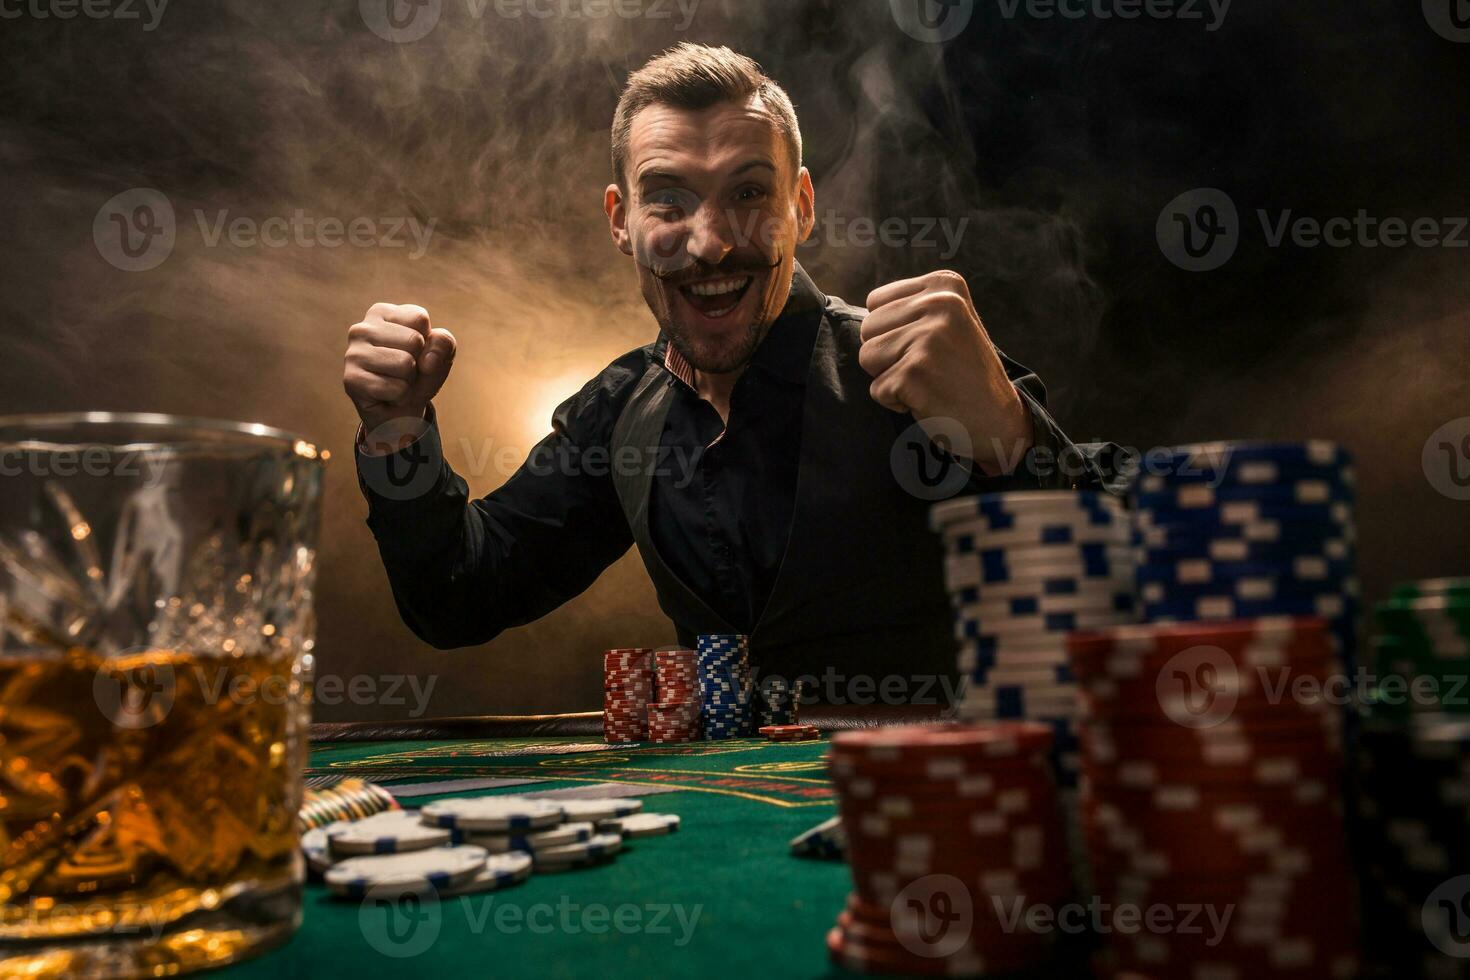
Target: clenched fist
point(396, 363)
point(930, 356)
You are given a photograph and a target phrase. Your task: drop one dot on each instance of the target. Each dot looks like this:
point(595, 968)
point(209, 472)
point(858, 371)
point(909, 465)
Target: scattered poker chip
point(790, 733)
point(410, 872)
point(567, 833)
point(493, 813)
point(499, 871)
point(825, 840)
point(598, 847)
point(387, 832)
point(317, 850)
point(640, 825)
point(599, 809)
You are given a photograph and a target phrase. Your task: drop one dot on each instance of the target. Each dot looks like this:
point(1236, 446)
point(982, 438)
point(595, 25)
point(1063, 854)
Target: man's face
point(714, 210)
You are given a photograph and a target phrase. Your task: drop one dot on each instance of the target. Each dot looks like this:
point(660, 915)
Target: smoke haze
point(1056, 142)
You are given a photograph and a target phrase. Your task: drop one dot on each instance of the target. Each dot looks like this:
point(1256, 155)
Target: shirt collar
point(786, 351)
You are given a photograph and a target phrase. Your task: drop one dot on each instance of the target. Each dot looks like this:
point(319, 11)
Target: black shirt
point(720, 510)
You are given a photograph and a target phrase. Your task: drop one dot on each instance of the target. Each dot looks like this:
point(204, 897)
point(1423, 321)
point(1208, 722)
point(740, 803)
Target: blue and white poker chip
point(827, 840)
point(500, 871)
point(493, 813)
point(567, 833)
point(409, 872)
point(600, 809)
point(640, 825)
point(599, 847)
point(386, 832)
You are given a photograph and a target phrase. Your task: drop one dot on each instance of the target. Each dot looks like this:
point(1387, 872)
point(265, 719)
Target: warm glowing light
point(543, 399)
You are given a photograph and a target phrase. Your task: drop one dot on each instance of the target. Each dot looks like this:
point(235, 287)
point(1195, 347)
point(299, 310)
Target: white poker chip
point(388, 832)
point(605, 809)
point(493, 813)
point(317, 849)
point(499, 871)
point(416, 872)
point(641, 824)
point(567, 833)
point(598, 847)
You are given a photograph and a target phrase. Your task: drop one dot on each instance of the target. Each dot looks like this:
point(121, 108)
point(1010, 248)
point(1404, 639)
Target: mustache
point(705, 270)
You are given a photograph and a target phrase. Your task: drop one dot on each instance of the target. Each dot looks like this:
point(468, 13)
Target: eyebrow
point(649, 176)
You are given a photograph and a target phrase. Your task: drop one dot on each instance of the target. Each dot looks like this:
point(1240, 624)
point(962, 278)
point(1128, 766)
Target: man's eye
point(666, 201)
point(750, 194)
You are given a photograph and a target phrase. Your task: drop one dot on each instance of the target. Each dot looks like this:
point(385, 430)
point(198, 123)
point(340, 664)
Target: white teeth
point(719, 287)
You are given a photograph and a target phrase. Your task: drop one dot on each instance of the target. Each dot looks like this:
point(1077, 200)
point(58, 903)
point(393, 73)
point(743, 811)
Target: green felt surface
point(748, 908)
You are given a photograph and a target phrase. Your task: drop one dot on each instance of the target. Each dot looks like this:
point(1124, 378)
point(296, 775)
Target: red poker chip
point(995, 740)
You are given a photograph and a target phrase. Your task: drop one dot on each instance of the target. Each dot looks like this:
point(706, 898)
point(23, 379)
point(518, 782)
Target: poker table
point(721, 896)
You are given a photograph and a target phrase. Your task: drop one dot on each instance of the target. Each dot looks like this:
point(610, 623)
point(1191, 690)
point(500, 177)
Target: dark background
point(1061, 140)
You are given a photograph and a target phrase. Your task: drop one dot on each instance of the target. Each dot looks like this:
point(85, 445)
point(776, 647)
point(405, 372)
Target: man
point(768, 497)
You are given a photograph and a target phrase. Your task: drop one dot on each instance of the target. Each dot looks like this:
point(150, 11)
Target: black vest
point(860, 589)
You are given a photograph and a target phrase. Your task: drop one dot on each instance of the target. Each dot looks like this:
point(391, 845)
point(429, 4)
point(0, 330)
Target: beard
point(732, 346)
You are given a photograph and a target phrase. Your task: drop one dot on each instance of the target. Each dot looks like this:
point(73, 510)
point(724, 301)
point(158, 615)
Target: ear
point(806, 206)
point(617, 218)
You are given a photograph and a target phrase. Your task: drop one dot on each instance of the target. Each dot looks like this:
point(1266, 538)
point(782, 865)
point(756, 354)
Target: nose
point(712, 233)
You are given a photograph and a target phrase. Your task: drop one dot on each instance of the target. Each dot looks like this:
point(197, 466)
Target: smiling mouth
point(715, 298)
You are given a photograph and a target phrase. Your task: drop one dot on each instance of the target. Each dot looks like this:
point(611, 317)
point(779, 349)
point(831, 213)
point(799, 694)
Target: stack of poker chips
point(1205, 788)
point(1023, 571)
point(724, 686)
point(466, 845)
point(1235, 530)
point(350, 799)
point(627, 692)
point(1421, 650)
point(674, 717)
point(1413, 843)
point(1413, 783)
point(945, 825)
point(776, 702)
